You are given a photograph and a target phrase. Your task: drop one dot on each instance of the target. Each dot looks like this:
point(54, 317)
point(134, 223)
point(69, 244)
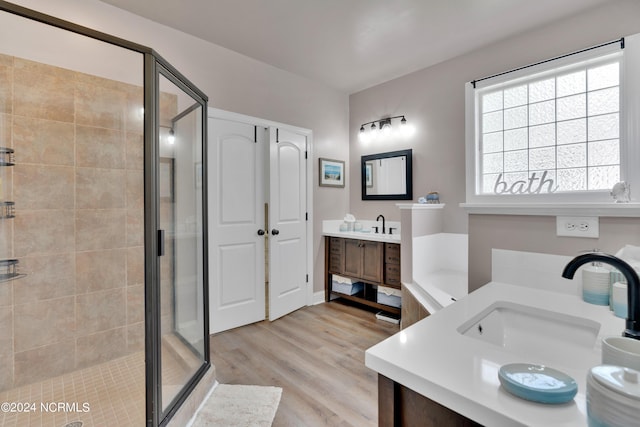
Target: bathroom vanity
point(443, 370)
point(372, 259)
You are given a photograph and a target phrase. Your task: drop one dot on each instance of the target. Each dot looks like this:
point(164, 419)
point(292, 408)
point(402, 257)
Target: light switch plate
point(578, 226)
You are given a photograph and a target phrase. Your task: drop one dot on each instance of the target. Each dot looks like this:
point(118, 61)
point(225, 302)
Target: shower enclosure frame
point(154, 65)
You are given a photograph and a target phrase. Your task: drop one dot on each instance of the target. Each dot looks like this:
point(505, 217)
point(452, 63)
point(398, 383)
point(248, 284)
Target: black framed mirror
point(387, 176)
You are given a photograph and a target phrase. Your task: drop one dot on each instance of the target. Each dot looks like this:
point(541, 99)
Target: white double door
point(257, 222)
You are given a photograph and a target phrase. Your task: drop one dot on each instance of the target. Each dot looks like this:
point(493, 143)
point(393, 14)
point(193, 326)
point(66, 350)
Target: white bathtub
point(440, 265)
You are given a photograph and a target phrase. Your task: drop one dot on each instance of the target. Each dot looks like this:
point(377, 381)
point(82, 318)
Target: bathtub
point(440, 265)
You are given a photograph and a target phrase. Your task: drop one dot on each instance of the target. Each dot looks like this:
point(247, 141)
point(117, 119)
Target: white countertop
point(432, 358)
point(331, 228)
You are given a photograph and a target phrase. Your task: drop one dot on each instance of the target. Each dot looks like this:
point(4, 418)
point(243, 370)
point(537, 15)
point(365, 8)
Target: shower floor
point(114, 392)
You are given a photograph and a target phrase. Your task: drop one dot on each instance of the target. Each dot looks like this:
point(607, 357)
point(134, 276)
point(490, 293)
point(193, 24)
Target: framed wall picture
point(331, 173)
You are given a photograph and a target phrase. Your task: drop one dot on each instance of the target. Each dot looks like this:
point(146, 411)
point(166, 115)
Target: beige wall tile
point(6, 294)
point(135, 266)
point(135, 227)
point(100, 270)
point(6, 86)
point(135, 304)
point(44, 141)
point(135, 151)
point(135, 189)
point(101, 311)
point(6, 239)
point(135, 113)
point(44, 362)
point(6, 371)
point(168, 107)
point(43, 187)
point(43, 322)
point(6, 330)
point(100, 229)
point(47, 277)
point(43, 232)
point(43, 91)
point(135, 337)
point(99, 106)
point(5, 129)
point(100, 347)
point(100, 188)
point(100, 148)
point(6, 60)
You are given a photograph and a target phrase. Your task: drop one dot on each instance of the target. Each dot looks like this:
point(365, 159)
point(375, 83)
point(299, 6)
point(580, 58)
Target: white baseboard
point(318, 298)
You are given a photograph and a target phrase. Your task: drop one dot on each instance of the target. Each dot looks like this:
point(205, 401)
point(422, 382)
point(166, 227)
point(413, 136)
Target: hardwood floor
point(316, 354)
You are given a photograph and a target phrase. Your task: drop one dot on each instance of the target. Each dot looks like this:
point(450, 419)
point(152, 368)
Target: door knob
point(260, 232)
point(275, 232)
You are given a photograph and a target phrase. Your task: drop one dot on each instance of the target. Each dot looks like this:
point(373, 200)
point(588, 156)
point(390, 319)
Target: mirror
point(387, 176)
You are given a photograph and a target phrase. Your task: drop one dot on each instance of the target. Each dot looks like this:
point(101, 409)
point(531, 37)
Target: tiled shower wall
point(78, 230)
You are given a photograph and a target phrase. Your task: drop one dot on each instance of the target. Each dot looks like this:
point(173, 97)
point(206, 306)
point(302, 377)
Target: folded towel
point(390, 291)
point(340, 279)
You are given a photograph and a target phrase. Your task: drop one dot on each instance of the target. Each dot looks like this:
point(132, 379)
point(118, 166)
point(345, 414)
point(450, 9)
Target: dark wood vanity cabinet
point(370, 262)
point(399, 406)
point(363, 260)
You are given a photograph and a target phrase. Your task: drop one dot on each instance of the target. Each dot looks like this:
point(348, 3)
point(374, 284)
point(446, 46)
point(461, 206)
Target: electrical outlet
point(578, 226)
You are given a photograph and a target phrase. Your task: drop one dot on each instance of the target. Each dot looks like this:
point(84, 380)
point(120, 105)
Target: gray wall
point(433, 100)
point(240, 84)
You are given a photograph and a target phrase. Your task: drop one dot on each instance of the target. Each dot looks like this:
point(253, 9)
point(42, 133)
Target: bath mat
point(239, 405)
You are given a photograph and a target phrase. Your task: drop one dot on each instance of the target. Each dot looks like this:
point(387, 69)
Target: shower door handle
point(160, 242)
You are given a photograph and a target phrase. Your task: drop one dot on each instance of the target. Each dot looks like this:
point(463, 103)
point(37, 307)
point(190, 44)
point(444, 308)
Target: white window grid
point(552, 162)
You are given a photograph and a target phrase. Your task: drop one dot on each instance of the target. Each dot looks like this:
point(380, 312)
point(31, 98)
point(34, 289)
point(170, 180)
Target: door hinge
point(306, 154)
point(277, 135)
point(306, 216)
point(255, 134)
point(307, 278)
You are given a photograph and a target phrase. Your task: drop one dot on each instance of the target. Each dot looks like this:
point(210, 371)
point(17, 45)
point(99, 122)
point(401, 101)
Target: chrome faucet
point(384, 231)
point(632, 329)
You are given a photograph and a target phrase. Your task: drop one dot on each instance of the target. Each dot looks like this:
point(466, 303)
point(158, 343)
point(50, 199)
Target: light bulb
point(364, 137)
point(171, 139)
point(386, 129)
point(373, 135)
point(407, 130)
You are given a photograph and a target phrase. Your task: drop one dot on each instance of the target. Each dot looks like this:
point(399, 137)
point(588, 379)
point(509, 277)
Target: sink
point(531, 331)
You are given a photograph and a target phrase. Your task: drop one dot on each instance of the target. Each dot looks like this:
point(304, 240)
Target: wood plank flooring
point(316, 354)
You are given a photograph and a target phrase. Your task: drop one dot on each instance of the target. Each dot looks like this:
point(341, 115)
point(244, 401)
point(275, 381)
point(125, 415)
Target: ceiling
point(353, 44)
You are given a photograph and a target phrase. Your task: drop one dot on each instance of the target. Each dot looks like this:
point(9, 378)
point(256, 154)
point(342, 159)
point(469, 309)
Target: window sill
point(554, 209)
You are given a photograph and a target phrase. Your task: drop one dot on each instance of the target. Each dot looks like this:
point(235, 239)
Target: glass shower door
point(183, 331)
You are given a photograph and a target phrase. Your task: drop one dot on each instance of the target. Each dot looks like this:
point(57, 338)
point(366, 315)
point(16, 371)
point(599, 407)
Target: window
point(551, 132)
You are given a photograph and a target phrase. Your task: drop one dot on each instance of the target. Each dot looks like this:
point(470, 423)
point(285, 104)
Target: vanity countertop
point(331, 228)
point(432, 358)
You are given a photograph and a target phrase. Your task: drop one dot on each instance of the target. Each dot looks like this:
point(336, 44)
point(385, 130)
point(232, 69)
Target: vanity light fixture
point(383, 127)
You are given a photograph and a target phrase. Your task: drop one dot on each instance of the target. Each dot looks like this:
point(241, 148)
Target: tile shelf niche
point(8, 267)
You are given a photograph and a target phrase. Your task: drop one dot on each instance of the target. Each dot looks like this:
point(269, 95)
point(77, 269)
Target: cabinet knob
point(275, 232)
point(261, 232)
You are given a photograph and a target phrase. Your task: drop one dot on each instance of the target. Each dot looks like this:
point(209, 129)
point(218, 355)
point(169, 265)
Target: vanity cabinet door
point(352, 258)
point(363, 260)
point(371, 261)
